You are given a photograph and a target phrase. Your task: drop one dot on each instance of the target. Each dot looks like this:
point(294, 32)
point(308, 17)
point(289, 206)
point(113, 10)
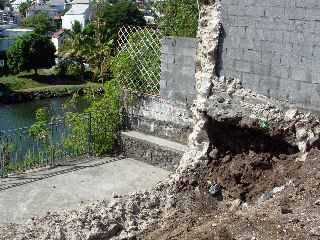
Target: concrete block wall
point(178, 68)
point(273, 47)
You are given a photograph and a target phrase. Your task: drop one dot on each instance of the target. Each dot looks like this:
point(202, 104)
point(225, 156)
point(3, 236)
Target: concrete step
point(156, 151)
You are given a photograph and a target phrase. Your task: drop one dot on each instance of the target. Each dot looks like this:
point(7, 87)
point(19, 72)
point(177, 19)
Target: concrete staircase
point(155, 150)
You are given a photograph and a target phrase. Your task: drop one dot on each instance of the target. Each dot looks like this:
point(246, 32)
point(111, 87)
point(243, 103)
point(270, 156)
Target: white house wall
point(68, 20)
point(55, 42)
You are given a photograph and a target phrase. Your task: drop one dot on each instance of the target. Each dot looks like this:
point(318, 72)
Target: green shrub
point(263, 122)
point(73, 69)
point(39, 129)
point(61, 68)
point(99, 129)
point(179, 17)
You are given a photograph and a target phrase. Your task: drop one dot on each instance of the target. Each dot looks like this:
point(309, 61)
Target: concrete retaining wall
point(273, 47)
point(161, 117)
point(150, 153)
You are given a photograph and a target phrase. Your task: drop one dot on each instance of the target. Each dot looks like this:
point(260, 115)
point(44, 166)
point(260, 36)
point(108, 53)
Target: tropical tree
point(76, 46)
point(31, 51)
point(118, 14)
point(41, 23)
point(23, 8)
point(94, 43)
point(3, 3)
point(99, 53)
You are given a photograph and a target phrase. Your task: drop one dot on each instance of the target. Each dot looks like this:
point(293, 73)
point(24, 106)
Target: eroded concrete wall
point(273, 48)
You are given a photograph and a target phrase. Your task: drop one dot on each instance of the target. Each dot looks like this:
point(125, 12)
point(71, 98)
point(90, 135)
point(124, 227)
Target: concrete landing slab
point(156, 140)
point(67, 186)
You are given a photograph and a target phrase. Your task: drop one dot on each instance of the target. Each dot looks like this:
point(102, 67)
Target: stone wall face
point(178, 68)
point(273, 47)
point(152, 154)
point(161, 117)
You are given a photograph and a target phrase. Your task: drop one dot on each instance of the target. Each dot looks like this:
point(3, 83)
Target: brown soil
point(291, 214)
point(246, 176)
point(245, 161)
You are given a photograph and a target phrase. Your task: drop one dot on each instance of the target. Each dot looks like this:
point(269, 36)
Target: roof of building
point(56, 2)
point(58, 33)
point(78, 9)
point(18, 30)
point(80, 2)
point(18, 2)
point(57, 17)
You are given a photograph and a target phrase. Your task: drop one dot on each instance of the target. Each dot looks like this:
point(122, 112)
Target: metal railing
point(20, 150)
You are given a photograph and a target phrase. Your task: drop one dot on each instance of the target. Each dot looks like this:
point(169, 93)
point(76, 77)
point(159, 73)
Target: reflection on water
point(22, 114)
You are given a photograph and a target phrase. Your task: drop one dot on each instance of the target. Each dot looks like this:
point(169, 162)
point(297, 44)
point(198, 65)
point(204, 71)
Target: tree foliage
point(76, 47)
point(94, 44)
point(41, 23)
point(31, 51)
point(3, 3)
point(179, 17)
point(39, 129)
point(118, 14)
point(23, 8)
point(100, 51)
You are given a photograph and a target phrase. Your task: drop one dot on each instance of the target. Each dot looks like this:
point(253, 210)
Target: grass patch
point(47, 80)
point(60, 88)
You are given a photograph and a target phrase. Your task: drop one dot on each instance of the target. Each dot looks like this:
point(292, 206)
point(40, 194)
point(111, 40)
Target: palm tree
point(76, 46)
point(100, 52)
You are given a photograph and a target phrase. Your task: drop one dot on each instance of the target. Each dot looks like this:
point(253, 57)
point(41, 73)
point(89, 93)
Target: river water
point(22, 114)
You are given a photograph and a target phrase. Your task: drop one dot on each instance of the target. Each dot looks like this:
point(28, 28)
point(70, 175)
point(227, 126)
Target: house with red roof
point(58, 38)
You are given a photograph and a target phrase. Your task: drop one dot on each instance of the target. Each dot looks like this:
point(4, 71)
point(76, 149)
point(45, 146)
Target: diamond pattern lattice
point(140, 48)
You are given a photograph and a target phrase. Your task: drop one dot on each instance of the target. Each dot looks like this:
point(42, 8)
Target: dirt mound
point(245, 161)
point(291, 212)
point(247, 176)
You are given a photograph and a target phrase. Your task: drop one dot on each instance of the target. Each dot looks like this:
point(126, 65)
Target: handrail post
point(50, 144)
point(2, 163)
point(90, 134)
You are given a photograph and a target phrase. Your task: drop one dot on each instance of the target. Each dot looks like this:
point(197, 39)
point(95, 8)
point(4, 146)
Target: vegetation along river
point(23, 114)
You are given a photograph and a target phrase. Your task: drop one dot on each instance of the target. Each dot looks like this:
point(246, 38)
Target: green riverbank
point(26, 86)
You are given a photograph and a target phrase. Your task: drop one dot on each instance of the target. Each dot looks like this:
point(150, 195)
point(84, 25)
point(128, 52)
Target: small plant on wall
point(178, 17)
